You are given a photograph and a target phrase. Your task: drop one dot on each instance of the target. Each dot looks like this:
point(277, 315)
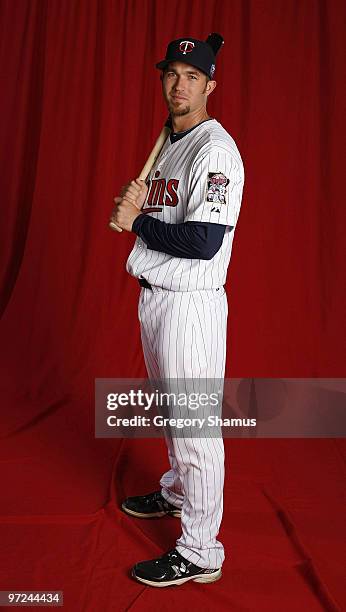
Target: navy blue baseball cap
point(191, 51)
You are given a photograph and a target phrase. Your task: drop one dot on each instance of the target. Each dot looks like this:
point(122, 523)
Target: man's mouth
point(179, 98)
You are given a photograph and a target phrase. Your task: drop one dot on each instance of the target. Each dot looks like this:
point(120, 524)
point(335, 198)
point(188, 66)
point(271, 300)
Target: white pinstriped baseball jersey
point(200, 177)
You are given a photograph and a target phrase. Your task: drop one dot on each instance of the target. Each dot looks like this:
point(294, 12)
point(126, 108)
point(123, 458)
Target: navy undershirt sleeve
point(191, 240)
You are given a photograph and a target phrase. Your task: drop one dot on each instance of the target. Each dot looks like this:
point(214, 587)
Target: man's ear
point(210, 86)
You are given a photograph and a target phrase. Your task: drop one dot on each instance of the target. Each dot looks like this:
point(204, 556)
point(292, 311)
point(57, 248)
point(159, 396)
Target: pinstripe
point(164, 357)
point(150, 327)
point(180, 299)
point(201, 329)
point(168, 271)
point(183, 373)
point(170, 369)
point(147, 339)
point(213, 488)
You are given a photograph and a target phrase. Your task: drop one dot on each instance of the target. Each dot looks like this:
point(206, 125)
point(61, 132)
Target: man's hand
point(135, 192)
point(129, 205)
point(124, 214)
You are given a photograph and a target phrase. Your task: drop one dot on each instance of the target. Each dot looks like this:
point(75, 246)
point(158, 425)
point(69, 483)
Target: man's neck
point(186, 122)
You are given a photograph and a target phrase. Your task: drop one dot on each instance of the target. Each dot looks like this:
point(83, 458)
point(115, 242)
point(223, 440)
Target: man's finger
point(135, 185)
point(124, 188)
point(134, 191)
point(131, 193)
point(140, 183)
point(128, 199)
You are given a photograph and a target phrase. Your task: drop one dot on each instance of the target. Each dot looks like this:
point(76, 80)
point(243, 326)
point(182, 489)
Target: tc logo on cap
point(186, 46)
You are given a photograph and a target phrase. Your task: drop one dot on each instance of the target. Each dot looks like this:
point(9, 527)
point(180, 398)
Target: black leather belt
point(144, 283)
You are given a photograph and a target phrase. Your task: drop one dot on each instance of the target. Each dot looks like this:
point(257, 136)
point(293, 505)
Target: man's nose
point(179, 84)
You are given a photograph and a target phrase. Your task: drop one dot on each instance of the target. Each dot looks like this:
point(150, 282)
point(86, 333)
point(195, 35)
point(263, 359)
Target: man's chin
point(177, 111)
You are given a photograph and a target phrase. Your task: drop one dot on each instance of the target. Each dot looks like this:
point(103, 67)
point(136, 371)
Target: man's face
point(185, 88)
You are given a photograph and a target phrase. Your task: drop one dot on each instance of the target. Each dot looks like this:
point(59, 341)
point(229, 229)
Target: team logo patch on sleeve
point(217, 189)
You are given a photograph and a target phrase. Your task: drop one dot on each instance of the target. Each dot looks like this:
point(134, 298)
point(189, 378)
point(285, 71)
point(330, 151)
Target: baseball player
point(184, 217)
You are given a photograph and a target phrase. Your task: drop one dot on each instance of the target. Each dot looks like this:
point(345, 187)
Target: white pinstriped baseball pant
point(184, 337)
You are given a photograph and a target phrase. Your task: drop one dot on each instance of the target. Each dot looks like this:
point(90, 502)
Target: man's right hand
point(135, 192)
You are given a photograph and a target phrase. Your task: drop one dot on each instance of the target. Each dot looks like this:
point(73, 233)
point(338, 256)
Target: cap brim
point(162, 65)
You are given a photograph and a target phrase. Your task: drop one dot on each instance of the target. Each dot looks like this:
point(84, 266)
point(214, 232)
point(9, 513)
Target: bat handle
point(149, 163)
point(113, 226)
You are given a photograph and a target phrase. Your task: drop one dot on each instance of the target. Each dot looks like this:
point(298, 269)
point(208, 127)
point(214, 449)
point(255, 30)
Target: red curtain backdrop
point(80, 108)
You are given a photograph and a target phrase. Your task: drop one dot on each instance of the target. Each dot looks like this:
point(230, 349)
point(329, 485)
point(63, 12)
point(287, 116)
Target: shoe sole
point(175, 513)
point(203, 578)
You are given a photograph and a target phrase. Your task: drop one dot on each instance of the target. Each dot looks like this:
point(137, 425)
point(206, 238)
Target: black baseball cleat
point(152, 505)
point(172, 569)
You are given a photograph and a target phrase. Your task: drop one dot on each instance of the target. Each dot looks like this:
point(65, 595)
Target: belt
point(144, 283)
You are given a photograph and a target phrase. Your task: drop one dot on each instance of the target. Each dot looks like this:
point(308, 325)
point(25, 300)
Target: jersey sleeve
point(215, 187)
point(190, 240)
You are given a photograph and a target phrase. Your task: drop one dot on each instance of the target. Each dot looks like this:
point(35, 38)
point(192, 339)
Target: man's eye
point(192, 76)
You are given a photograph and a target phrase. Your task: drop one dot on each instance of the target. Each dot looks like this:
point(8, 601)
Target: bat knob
point(114, 227)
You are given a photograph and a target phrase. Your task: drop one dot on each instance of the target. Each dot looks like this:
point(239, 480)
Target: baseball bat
point(150, 162)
